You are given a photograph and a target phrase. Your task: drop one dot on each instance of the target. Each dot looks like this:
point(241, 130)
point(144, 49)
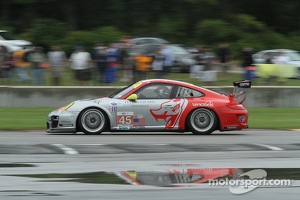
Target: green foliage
point(215, 30)
point(170, 29)
point(25, 1)
point(89, 38)
point(259, 24)
point(107, 34)
point(74, 38)
point(47, 32)
point(248, 24)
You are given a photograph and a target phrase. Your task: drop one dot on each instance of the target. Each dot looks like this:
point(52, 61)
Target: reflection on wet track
point(37, 166)
point(177, 176)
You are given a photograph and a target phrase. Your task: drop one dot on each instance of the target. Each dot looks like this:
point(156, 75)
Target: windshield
point(294, 56)
point(7, 36)
point(178, 50)
point(122, 92)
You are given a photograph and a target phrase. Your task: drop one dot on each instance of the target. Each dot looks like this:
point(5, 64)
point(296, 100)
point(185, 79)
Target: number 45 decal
point(125, 118)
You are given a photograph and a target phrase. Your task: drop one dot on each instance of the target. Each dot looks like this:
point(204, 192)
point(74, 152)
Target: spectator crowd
point(108, 63)
point(105, 64)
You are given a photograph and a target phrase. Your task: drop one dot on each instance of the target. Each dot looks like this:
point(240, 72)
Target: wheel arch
point(213, 110)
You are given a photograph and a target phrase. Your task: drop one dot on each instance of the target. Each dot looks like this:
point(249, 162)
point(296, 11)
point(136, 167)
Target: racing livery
point(155, 105)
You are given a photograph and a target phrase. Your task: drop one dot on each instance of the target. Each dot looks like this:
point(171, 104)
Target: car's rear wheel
point(202, 121)
point(92, 121)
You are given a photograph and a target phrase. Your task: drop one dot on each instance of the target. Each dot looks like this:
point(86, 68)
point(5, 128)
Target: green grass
point(278, 118)
point(262, 118)
point(23, 118)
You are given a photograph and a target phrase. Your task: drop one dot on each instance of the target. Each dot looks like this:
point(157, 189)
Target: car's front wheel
point(202, 121)
point(92, 121)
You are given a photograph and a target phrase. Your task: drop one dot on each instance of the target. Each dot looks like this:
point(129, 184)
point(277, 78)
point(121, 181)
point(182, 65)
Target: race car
point(179, 177)
point(155, 105)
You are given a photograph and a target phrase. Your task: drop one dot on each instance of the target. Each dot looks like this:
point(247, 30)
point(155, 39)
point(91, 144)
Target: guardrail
point(28, 96)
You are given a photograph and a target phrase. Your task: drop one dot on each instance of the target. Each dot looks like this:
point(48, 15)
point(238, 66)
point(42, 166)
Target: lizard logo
point(170, 111)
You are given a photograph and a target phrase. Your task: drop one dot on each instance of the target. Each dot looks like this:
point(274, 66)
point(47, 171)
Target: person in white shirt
point(80, 63)
point(56, 59)
point(281, 60)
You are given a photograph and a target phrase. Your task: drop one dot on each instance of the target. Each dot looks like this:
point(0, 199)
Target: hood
point(14, 45)
point(17, 42)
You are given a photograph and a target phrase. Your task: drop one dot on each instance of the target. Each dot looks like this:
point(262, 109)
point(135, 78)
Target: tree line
point(246, 23)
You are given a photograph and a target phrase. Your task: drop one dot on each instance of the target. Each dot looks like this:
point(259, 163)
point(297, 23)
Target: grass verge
point(260, 118)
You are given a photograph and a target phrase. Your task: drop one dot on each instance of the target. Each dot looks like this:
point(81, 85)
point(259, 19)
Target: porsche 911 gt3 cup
point(155, 105)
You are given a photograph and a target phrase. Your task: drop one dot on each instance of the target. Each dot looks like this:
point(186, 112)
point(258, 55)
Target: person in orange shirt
point(21, 65)
point(143, 65)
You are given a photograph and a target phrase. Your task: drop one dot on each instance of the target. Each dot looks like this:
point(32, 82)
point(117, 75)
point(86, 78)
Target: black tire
point(202, 121)
point(92, 121)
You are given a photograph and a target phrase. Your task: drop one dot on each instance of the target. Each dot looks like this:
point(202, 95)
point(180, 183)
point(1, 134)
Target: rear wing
point(239, 93)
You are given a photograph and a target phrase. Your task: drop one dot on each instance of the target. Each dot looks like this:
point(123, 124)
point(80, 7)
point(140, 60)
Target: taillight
point(236, 106)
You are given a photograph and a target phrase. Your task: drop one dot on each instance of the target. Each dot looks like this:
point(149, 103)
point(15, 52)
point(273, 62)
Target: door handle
point(168, 106)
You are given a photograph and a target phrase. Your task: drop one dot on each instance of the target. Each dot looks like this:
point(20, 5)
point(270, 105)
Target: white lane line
point(270, 147)
point(67, 150)
point(92, 144)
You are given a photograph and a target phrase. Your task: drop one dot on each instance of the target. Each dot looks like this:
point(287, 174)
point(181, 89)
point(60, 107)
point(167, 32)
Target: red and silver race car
point(155, 105)
point(179, 177)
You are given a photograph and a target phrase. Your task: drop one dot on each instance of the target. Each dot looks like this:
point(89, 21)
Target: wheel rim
point(93, 120)
point(202, 120)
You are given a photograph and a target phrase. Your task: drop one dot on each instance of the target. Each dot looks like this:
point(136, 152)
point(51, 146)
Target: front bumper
point(64, 122)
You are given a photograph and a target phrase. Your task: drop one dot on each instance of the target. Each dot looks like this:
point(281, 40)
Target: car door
point(151, 111)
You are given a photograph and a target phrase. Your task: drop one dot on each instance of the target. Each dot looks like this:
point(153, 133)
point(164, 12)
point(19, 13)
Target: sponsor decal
point(66, 125)
point(230, 127)
point(242, 118)
point(138, 127)
point(97, 101)
point(139, 122)
point(145, 101)
point(244, 84)
point(130, 119)
point(205, 104)
point(66, 122)
point(125, 118)
point(138, 116)
point(139, 106)
point(124, 128)
point(125, 113)
point(113, 107)
point(139, 101)
point(170, 111)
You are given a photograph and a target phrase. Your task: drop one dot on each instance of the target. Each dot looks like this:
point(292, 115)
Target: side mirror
point(132, 97)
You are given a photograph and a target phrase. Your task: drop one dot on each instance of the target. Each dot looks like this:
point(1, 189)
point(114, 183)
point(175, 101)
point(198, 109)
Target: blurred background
point(192, 24)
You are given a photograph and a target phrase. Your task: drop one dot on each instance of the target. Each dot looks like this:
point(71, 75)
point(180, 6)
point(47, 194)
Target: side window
point(142, 41)
point(155, 91)
point(184, 92)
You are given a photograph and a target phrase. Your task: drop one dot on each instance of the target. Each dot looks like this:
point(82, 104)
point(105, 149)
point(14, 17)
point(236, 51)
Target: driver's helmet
point(162, 91)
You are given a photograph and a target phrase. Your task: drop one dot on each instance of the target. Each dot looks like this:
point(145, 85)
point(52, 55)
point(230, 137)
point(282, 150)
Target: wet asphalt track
point(114, 152)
